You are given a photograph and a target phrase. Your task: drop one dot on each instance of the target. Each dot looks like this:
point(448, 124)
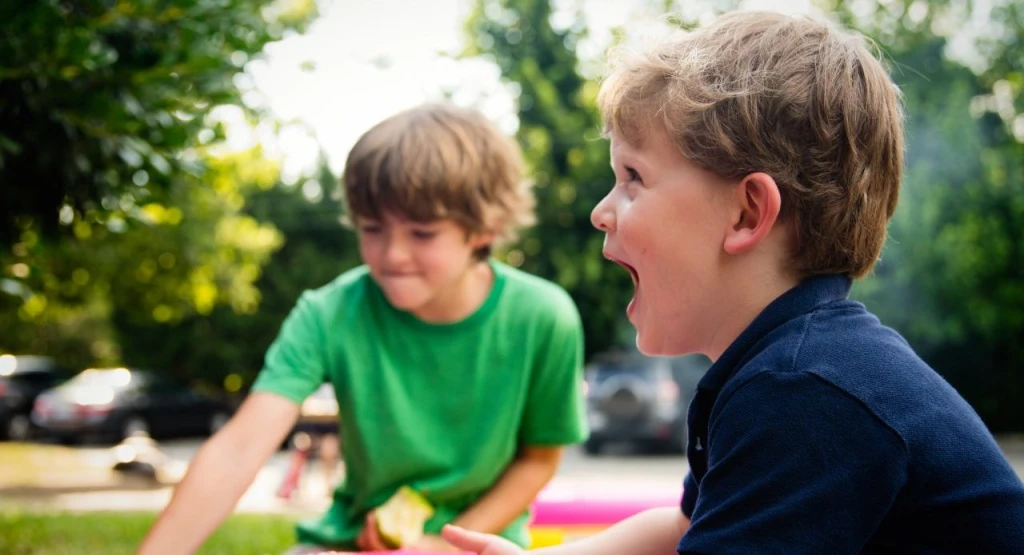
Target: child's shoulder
point(844, 345)
point(533, 295)
point(532, 290)
point(841, 340)
point(344, 289)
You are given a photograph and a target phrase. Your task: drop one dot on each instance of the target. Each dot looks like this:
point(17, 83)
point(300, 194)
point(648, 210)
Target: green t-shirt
point(440, 408)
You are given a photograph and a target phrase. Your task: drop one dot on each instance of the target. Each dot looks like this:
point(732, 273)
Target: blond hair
point(439, 162)
point(792, 97)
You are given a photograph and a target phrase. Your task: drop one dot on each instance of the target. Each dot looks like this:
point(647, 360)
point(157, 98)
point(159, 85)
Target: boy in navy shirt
point(757, 164)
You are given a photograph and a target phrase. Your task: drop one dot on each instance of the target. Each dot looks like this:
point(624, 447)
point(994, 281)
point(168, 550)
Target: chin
point(646, 346)
point(405, 303)
point(659, 346)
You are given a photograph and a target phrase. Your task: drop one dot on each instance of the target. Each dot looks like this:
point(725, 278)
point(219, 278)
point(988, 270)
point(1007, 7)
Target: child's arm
point(220, 473)
point(652, 532)
point(514, 491)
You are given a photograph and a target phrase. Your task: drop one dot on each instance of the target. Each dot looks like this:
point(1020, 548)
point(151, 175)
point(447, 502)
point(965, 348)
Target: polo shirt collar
point(802, 299)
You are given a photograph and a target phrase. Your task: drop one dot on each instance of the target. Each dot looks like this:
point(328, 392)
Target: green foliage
point(119, 209)
point(560, 134)
point(171, 260)
point(225, 348)
point(101, 97)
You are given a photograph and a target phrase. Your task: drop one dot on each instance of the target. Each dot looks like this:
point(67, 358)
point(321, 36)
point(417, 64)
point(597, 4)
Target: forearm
point(220, 473)
point(652, 532)
point(216, 479)
point(511, 495)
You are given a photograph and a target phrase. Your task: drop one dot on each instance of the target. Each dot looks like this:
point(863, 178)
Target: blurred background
point(168, 187)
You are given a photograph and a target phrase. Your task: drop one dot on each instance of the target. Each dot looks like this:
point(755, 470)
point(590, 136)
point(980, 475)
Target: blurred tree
point(170, 260)
point(225, 348)
point(100, 98)
point(560, 134)
point(317, 249)
point(951, 278)
point(119, 209)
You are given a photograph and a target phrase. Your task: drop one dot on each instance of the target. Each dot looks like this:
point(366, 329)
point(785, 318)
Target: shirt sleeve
point(555, 413)
point(785, 476)
point(294, 365)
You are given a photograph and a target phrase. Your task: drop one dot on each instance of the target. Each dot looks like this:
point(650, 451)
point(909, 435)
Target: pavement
point(51, 477)
point(85, 479)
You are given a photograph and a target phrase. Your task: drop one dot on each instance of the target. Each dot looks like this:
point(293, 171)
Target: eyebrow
point(630, 157)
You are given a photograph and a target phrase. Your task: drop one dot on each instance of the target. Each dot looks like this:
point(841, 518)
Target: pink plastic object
point(562, 506)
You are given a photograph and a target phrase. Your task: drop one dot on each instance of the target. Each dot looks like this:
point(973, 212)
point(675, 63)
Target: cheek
point(369, 249)
point(435, 258)
point(646, 243)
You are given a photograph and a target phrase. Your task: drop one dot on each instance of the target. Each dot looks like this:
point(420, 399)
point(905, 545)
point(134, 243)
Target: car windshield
point(116, 378)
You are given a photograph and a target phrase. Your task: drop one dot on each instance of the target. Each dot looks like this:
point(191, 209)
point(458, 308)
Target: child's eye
point(369, 229)
point(424, 234)
point(633, 174)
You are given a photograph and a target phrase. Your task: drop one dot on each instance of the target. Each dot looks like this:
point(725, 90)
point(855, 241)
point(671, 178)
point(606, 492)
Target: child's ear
point(756, 209)
point(482, 239)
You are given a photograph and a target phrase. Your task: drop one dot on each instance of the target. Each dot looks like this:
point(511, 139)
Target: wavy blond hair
point(795, 98)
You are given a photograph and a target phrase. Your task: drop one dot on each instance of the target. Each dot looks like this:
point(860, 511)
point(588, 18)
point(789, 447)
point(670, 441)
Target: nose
point(603, 215)
point(396, 250)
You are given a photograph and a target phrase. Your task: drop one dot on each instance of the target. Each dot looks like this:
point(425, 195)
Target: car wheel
point(135, 425)
point(217, 421)
point(19, 428)
point(593, 446)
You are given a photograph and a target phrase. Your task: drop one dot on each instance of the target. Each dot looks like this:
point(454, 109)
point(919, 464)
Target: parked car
point(114, 403)
point(641, 400)
point(22, 379)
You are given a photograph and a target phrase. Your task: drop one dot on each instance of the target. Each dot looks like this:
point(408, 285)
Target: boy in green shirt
point(422, 343)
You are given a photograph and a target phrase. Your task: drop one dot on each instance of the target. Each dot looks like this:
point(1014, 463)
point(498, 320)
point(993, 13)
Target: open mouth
point(635, 276)
point(632, 271)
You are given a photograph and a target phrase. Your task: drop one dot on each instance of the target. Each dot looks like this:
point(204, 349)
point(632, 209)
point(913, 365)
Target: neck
point(463, 298)
point(754, 293)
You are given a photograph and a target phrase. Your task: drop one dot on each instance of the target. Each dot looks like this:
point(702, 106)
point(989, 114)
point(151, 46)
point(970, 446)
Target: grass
point(60, 533)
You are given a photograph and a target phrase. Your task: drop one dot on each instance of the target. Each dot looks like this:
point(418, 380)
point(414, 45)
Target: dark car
point(641, 400)
point(22, 379)
point(114, 403)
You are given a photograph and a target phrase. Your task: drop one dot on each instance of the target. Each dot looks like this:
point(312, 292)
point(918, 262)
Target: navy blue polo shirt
point(819, 430)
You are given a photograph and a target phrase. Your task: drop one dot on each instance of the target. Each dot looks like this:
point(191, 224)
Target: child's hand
point(483, 544)
point(369, 538)
point(430, 543)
